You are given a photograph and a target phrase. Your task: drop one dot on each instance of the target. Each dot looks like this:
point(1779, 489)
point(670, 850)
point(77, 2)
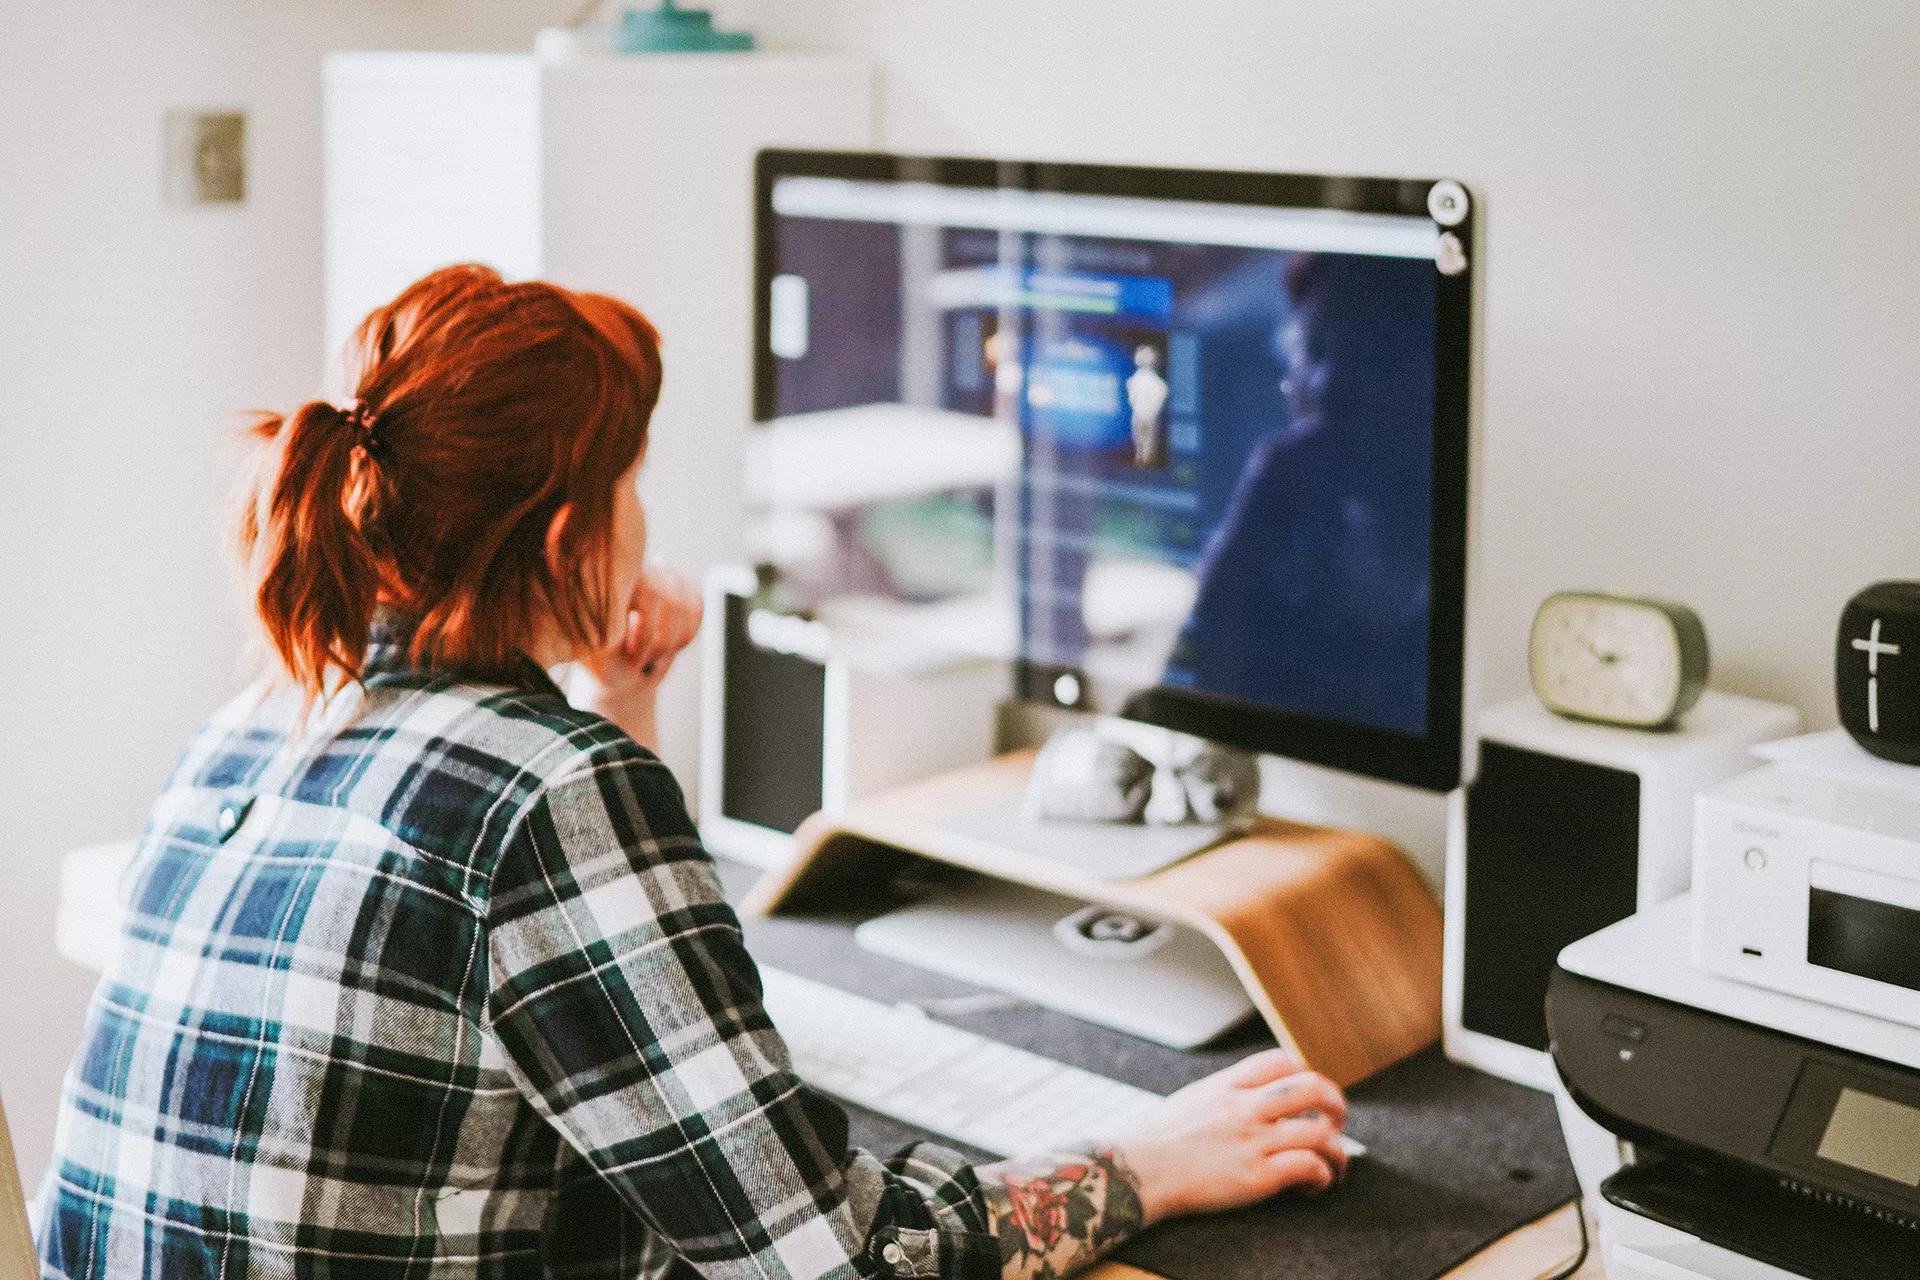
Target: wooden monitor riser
point(1333, 933)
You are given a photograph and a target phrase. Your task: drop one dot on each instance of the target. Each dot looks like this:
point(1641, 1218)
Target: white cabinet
point(626, 175)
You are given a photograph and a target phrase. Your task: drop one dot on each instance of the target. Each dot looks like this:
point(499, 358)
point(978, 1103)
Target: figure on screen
point(1325, 545)
point(1009, 378)
point(1146, 397)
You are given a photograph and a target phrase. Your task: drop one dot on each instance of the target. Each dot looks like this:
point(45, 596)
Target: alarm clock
point(1614, 659)
point(1877, 670)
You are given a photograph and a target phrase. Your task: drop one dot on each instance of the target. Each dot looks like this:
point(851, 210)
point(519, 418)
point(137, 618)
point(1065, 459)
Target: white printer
point(1729, 1132)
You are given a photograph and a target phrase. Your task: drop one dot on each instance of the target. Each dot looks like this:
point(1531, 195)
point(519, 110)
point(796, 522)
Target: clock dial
point(1616, 659)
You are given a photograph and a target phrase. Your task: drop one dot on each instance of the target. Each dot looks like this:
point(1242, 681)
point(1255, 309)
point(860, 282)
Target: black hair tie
point(365, 422)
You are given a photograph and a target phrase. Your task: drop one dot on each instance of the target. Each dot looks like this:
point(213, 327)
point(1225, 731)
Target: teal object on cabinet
point(671, 29)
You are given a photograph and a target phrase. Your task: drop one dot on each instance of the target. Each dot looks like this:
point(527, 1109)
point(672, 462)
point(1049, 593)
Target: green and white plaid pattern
point(442, 984)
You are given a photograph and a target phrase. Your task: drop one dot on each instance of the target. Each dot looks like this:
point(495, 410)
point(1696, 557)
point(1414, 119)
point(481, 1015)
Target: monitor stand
point(1292, 909)
point(1159, 981)
point(1007, 828)
point(1002, 830)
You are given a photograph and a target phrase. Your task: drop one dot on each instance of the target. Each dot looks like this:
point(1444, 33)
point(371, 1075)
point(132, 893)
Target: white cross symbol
point(1873, 646)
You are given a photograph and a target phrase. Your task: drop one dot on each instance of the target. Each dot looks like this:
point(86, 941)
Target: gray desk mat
point(1456, 1158)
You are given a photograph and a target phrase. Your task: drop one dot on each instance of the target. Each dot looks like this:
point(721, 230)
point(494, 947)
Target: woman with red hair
point(425, 972)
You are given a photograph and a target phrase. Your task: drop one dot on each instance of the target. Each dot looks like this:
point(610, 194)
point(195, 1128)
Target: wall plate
point(205, 158)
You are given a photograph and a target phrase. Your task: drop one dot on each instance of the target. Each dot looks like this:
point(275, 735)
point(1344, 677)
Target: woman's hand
point(1259, 1127)
point(662, 618)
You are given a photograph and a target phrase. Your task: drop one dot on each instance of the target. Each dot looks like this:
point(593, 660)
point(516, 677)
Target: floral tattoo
point(1055, 1214)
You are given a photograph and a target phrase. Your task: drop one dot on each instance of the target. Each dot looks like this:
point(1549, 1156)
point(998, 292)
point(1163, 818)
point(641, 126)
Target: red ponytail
point(483, 408)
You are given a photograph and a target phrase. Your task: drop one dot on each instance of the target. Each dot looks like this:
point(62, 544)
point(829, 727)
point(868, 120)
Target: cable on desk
point(1580, 1258)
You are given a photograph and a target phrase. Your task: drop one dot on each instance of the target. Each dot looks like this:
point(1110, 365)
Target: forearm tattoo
point(1056, 1213)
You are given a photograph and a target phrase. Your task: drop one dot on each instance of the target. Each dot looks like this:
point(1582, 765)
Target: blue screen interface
point(1146, 442)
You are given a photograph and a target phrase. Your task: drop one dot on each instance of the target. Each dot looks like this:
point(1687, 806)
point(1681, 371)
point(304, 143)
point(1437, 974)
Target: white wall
point(1701, 278)
point(130, 334)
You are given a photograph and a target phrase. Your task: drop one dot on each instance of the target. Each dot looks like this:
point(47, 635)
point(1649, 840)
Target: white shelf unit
point(628, 175)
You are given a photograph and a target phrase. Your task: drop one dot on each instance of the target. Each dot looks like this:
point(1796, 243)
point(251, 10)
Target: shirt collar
point(389, 641)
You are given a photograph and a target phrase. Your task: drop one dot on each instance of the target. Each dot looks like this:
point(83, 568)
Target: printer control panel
point(1825, 1124)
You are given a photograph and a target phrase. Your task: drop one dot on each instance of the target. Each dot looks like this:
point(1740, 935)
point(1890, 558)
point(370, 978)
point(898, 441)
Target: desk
point(1437, 1183)
point(89, 922)
point(1536, 1250)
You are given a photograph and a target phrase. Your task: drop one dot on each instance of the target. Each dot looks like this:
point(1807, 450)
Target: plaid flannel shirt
point(444, 985)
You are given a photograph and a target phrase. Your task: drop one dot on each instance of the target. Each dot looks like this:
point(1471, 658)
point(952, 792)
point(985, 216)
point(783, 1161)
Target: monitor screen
point(1188, 447)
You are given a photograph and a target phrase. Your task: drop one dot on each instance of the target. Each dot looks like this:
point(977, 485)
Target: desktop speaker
point(797, 718)
point(1566, 828)
point(1877, 670)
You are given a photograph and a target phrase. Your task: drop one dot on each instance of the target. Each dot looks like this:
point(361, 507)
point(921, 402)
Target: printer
point(1727, 1131)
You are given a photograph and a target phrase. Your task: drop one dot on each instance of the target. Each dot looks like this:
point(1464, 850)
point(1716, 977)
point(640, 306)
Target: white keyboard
point(898, 1061)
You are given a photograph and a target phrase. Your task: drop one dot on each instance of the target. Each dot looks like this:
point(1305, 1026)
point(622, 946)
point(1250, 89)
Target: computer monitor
point(1188, 446)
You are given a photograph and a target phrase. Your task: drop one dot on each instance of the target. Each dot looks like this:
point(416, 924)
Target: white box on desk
point(797, 719)
point(623, 174)
point(1528, 877)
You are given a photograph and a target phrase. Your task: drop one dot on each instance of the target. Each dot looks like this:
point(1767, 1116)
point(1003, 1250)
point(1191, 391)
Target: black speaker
point(772, 726)
point(1876, 665)
point(1567, 827)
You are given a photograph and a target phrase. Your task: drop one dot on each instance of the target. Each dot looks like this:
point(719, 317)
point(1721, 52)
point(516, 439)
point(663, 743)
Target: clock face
point(1613, 659)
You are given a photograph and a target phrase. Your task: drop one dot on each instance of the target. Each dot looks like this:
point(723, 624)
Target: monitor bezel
point(1432, 760)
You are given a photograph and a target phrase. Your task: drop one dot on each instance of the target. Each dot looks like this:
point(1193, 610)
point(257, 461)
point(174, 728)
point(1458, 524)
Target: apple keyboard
point(900, 1062)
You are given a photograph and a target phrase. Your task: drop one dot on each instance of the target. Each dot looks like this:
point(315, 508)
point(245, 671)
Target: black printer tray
point(1764, 1220)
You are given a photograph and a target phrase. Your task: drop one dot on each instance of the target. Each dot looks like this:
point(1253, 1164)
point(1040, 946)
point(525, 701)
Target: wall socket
point(206, 157)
